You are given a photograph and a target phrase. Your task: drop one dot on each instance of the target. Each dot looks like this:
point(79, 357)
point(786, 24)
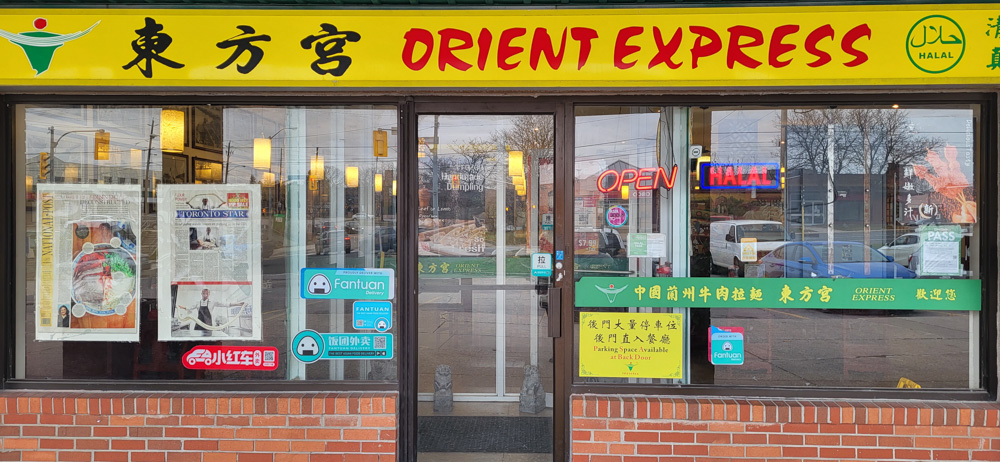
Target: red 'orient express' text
point(745, 46)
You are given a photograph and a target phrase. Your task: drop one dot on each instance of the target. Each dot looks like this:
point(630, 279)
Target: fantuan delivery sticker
point(39, 45)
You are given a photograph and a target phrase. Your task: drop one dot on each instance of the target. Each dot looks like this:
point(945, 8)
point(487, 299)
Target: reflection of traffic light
point(102, 145)
point(43, 166)
point(380, 141)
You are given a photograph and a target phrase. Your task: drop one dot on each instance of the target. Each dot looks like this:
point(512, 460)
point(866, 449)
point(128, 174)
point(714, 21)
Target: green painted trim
point(784, 293)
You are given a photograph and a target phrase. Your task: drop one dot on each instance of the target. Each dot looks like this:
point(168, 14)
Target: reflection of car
point(352, 230)
point(200, 355)
point(901, 248)
point(726, 236)
point(850, 259)
point(323, 242)
point(609, 242)
point(385, 239)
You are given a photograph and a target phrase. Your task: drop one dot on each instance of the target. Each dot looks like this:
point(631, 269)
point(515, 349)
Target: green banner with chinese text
point(863, 294)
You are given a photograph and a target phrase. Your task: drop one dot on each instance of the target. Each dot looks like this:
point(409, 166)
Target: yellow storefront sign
point(640, 345)
point(655, 48)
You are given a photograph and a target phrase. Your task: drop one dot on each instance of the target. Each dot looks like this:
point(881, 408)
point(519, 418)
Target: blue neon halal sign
point(752, 175)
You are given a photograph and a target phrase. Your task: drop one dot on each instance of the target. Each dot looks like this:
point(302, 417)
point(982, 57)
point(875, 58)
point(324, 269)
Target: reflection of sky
point(602, 140)
point(954, 126)
point(750, 135)
point(746, 136)
point(455, 130)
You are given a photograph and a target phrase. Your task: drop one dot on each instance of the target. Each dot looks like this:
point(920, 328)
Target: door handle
point(555, 312)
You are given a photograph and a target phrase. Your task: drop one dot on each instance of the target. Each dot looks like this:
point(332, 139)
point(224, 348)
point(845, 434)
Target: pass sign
point(348, 283)
point(748, 249)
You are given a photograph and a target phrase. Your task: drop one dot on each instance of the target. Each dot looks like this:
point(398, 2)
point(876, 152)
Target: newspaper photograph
point(209, 275)
point(87, 272)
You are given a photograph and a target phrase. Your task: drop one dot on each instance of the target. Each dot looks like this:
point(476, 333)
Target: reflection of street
point(814, 348)
point(848, 348)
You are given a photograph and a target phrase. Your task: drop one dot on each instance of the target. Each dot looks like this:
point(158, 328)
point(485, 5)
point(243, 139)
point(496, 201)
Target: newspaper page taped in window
point(86, 260)
point(209, 282)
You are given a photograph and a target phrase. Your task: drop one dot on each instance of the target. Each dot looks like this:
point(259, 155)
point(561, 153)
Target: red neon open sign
point(643, 179)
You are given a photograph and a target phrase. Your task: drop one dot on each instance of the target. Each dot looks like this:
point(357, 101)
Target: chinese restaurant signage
point(668, 47)
point(841, 293)
point(641, 345)
point(740, 176)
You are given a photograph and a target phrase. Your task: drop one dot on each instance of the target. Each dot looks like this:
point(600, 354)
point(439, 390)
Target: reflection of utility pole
point(436, 173)
point(149, 159)
point(281, 159)
point(229, 155)
point(867, 152)
point(783, 167)
point(830, 196)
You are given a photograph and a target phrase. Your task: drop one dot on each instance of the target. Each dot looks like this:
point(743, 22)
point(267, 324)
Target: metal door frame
point(407, 220)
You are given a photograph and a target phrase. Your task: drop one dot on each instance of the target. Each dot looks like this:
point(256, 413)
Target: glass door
point(486, 216)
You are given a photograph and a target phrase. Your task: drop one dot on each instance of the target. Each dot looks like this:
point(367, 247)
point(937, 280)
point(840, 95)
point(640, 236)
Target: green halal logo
point(611, 292)
point(39, 45)
point(935, 44)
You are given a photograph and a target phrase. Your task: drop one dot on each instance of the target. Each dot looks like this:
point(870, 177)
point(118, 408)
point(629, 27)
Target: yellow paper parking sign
point(748, 249)
point(638, 345)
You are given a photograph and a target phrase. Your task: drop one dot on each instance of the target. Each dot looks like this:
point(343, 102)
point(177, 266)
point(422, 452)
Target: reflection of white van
point(726, 236)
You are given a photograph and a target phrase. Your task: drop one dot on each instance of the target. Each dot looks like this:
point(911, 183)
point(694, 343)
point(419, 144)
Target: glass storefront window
point(791, 198)
point(167, 242)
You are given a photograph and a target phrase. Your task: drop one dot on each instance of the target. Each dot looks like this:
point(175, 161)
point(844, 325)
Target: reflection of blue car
point(850, 259)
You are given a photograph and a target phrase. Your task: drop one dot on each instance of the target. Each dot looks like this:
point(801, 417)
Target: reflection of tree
point(866, 140)
point(534, 136)
point(532, 133)
point(478, 162)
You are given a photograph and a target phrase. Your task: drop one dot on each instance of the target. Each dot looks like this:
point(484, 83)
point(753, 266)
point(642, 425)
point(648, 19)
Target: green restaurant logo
point(611, 292)
point(39, 45)
point(935, 44)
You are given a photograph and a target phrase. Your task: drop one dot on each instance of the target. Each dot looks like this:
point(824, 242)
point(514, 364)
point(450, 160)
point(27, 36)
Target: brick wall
point(172, 427)
point(614, 428)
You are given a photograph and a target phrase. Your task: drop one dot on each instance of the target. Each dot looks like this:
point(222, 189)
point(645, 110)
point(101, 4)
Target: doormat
point(484, 434)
